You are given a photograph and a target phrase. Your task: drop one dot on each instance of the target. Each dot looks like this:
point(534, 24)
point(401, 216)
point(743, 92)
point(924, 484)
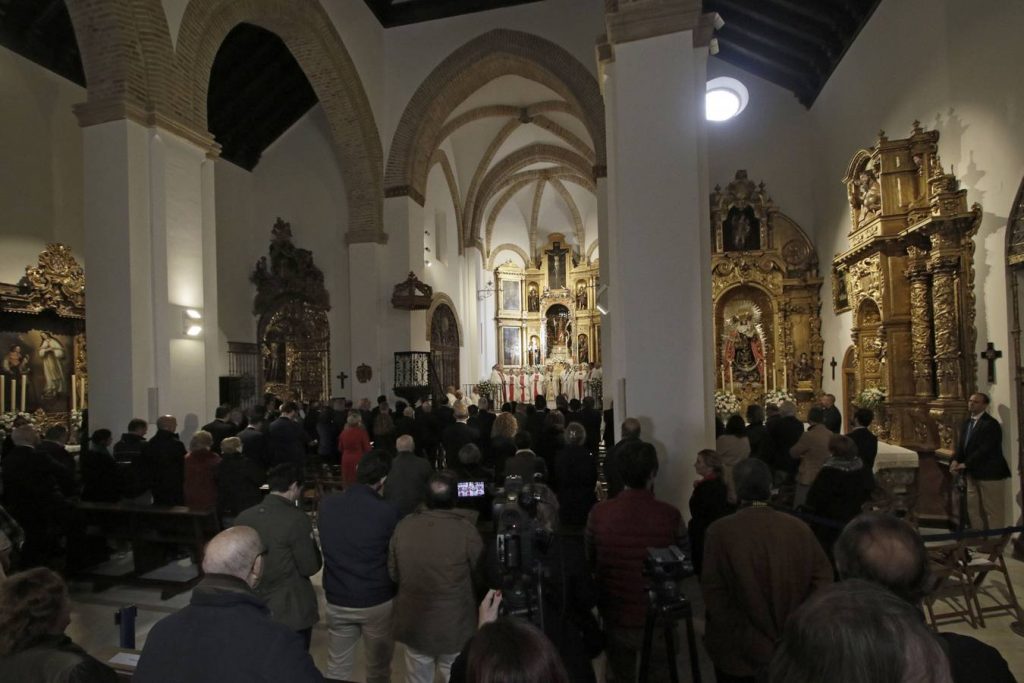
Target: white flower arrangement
point(7, 420)
point(726, 403)
point(76, 421)
point(486, 388)
point(777, 397)
point(596, 385)
point(872, 397)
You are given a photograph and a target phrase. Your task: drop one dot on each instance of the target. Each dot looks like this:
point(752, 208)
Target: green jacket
point(292, 557)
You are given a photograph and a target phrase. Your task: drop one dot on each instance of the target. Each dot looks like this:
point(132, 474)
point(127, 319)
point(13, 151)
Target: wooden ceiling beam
point(810, 57)
point(414, 11)
point(755, 64)
point(801, 30)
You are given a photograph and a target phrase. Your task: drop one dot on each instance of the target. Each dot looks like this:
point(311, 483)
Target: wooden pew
point(153, 531)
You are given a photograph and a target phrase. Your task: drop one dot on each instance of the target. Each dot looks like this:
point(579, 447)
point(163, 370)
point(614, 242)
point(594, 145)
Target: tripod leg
point(691, 643)
point(670, 651)
point(645, 653)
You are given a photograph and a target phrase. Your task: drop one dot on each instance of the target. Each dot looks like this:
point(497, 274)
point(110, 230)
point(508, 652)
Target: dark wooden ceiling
point(400, 12)
point(257, 92)
point(796, 44)
point(40, 30)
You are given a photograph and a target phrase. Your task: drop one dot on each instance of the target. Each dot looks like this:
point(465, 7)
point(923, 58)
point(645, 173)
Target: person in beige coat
point(812, 452)
point(434, 558)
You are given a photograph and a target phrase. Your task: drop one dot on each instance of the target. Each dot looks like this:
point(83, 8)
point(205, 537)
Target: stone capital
point(366, 237)
point(95, 112)
point(629, 20)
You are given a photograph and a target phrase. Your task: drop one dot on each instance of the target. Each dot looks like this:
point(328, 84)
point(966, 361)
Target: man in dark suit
point(457, 435)
point(162, 463)
point(590, 418)
point(286, 438)
point(53, 446)
point(612, 461)
point(783, 434)
point(979, 455)
point(833, 418)
point(254, 441)
point(483, 421)
point(220, 428)
point(867, 443)
point(406, 484)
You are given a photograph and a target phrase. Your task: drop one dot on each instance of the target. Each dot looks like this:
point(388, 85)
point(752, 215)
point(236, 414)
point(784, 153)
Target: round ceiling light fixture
point(726, 97)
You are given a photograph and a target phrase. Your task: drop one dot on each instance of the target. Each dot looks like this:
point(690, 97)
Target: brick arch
point(500, 52)
point(306, 29)
point(126, 53)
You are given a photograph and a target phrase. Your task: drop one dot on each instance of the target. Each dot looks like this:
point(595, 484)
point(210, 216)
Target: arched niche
point(444, 349)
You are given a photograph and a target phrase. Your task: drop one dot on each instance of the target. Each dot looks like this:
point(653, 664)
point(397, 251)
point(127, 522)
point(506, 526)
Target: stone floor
point(92, 623)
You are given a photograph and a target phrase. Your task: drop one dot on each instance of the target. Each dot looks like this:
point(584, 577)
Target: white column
point(659, 249)
point(150, 254)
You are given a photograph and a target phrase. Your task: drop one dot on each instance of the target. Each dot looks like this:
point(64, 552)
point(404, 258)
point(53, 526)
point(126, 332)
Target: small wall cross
point(833, 365)
point(342, 376)
point(991, 354)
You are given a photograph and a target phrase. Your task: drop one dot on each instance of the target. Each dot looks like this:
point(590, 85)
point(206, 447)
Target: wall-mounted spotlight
point(191, 322)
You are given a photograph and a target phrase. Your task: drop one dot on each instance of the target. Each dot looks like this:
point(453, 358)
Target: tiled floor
point(93, 627)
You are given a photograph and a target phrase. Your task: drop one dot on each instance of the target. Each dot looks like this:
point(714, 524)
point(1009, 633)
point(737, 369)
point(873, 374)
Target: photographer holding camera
point(619, 532)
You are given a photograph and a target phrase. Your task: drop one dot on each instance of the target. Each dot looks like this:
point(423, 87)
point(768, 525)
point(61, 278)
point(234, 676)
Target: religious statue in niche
point(556, 266)
point(533, 299)
point(741, 230)
point(558, 328)
point(743, 344)
point(870, 195)
point(534, 350)
point(273, 361)
point(582, 350)
point(581, 296)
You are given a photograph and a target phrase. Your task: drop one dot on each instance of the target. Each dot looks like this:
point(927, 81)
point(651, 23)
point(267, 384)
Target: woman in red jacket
point(201, 465)
point(353, 443)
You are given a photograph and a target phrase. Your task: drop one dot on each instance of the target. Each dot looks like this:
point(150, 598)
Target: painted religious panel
point(36, 370)
point(510, 300)
point(511, 347)
point(533, 298)
point(741, 230)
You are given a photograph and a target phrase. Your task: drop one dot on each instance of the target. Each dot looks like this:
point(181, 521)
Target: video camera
point(665, 567)
point(521, 542)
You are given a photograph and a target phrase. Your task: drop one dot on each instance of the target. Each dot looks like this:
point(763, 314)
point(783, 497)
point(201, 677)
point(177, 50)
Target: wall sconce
point(191, 322)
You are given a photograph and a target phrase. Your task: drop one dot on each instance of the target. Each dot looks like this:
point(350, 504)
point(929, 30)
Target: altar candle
point(723, 378)
point(785, 376)
point(766, 382)
point(3, 393)
point(24, 386)
point(74, 392)
point(775, 378)
point(732, 388)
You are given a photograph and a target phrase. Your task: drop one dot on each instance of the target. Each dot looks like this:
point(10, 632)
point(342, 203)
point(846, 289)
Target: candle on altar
point(765, 373)
point(785, 377)
point(24, 386)
point(3, 393)
point(732, 388)
point(74, 392)
point(775, 379)
point(723, 378)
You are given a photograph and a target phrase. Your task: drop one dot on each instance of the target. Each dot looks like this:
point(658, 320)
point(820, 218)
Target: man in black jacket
point(163, 459)
point(254, 441)
point(590, 418)
point(225, 634)
point(53, 445)
point(979, 454)
point(220, 428)
point(783, 434)
point(833, 418)
point(286, 438)
point(867, 443)
point(630, 431)
point(359, 590)
point(457, 435)
point(406, 486)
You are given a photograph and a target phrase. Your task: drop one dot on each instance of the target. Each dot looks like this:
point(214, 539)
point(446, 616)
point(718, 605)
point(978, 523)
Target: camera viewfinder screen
point(471, 489)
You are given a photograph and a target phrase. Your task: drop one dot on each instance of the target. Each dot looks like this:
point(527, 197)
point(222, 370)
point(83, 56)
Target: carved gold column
point(944, 264)
point(920, 322)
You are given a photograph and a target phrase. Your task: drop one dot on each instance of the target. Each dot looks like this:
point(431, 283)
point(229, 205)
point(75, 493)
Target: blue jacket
point(355, 530)
point(225, 635)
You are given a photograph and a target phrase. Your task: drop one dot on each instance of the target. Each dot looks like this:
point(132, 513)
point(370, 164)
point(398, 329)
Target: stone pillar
point(920, 323)
point(658, 245)
point(150, 254)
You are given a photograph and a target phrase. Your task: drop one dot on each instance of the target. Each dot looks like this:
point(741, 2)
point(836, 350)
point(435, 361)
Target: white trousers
point(419, 667)
point(345, 625)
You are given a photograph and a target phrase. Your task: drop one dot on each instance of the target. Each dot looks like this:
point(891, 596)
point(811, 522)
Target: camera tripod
point(667, 615)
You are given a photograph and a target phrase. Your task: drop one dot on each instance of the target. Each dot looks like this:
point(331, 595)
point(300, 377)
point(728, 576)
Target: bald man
point(225, 634)
point(163, 459)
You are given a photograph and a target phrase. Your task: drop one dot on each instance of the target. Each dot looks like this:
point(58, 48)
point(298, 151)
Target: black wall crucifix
point(833, 365)
point(990, 354)
point(342, 376)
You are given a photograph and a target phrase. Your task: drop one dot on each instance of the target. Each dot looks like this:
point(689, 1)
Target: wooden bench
point(153, 531)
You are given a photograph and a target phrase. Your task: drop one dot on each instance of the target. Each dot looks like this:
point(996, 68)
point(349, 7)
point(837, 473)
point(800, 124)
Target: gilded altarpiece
point(546, 313)
point(766, 297)
point(908, 277)
point(42, 340)
point(293, 330)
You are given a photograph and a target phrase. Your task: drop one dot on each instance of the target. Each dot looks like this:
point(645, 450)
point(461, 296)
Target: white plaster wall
point(41, 186)
point(950, 65)
point(298, 179)
point(771, 139)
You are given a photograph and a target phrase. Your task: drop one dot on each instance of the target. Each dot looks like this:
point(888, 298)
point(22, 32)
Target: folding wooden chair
point(988, 557)
point(949, 585)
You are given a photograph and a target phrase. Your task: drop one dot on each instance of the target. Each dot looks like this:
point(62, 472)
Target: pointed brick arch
point(500, 52)
point(306, 29)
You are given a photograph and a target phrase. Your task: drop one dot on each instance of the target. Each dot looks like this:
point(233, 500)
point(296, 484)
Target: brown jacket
point(812, 452)
point(759, 566)
point(434, 557)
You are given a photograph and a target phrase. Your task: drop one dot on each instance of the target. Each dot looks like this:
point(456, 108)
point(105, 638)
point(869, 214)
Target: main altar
point(546, 313)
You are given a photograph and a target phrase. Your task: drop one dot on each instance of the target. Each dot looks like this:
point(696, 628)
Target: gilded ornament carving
point(56, 283)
